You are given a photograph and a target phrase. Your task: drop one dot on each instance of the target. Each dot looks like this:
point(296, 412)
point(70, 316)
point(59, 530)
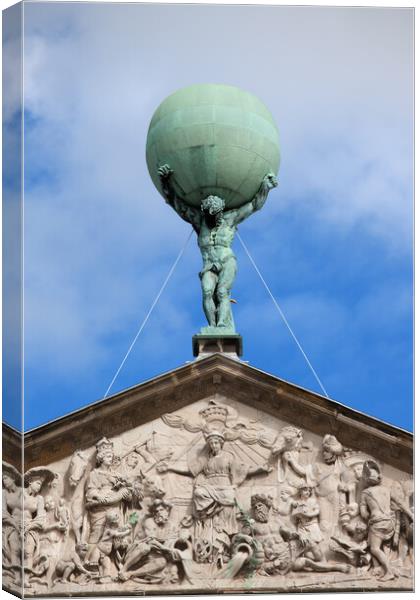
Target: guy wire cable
point(282, 315)
point(146, 318)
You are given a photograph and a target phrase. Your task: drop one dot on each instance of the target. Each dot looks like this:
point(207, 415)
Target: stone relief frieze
point(211, 497)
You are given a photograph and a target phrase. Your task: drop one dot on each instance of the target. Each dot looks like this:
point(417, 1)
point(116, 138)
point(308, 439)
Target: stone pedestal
point(208, 343)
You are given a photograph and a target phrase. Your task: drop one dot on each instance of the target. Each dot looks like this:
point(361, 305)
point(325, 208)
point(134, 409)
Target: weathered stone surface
point(214, 477)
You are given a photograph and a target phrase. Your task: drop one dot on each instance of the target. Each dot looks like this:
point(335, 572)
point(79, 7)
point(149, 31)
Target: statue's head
point(261, 505)
point(104, 452)
point(35, 483)
point(358, 470)
point(37, 477)
point(213, 205)
point(293, 437)
point(215, 440)
point(305, 491)
point(371, 472)
point(160, 510)
point(331, 449)
point(112, 518)
point(49, 503)
point(82, 549)
point(360, 530)
point(132, 460)
point(8, 482)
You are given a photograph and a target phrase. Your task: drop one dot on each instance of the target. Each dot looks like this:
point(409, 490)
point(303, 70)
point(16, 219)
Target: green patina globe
point(218, 139)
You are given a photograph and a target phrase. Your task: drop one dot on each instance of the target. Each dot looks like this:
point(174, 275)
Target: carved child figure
point(72, 569)
point(112, 539)
point(354, 547)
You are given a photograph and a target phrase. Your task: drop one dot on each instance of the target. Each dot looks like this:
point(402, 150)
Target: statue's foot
point(123, 576)
point(387, 576)
point(343, 568)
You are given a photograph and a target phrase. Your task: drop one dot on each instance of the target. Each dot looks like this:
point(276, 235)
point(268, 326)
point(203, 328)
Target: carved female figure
point(217, 473)
point(11, 517)
point(34, 515)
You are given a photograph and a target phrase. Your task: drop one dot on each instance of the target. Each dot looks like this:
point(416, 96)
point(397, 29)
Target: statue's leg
point(375, 543)
point(208, 285)
point(224, 285)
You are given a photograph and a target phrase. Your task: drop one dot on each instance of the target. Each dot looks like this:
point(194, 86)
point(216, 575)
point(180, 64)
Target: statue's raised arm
point(186, 212)
point(238, 215)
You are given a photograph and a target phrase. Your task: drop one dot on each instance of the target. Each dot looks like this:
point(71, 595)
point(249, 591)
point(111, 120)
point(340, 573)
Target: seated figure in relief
point(152, 555)
point(267, 546)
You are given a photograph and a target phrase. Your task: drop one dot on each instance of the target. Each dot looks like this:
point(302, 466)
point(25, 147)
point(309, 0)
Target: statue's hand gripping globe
point(218, 139)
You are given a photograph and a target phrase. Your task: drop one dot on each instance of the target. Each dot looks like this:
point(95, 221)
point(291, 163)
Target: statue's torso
point(215, 242)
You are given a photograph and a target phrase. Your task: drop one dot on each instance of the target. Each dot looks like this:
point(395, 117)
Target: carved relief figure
point(51, 539)
point(306, 513)
point(354, 545)
point(217, 473)
point(376, 509)
point(105, 489)
point(327, 476)
point(263, 544)
point(153, 549)
point(72, 568)
point(269, 547)
point(34, 517)
point(11, 518)
point(287, 449)
point(111, 541)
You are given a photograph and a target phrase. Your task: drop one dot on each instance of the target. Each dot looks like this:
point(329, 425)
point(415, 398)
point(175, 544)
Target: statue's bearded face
point(261, 512)
point(213, 205)
point(161, 515)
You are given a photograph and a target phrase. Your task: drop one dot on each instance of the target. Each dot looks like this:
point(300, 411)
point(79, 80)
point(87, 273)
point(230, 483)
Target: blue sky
point(334, 240)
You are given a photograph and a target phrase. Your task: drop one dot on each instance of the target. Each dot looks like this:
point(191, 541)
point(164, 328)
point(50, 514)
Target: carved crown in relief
point(214, 414)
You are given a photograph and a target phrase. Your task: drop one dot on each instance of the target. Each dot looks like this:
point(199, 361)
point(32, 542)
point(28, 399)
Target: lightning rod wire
point(146, 318)
point(283, 316)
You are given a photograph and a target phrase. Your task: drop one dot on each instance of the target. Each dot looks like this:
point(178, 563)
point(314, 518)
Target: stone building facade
point(213, 477)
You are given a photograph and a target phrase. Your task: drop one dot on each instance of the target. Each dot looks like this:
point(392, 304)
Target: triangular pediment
point(207, 442)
